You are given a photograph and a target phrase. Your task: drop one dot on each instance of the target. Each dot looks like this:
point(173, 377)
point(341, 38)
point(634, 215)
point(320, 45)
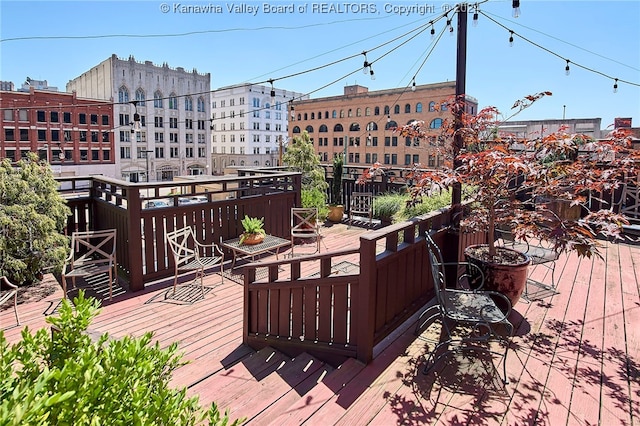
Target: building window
point(83, 135)
point(189, 152)
point(159, 152)
point(173, 101)
point(173, 152)
point(173, 138)
point(396, 109)
point(82, 118)
point(55, 135)
point(157, 99)
point(188, 124)
point(188, 104)
point(123, 95)
point(159, 137)
point(94, 136)
point(105, 136)
point(407, 109)
point(432, 106)
point(40, 116)
point(201, 107)
point(8, 115)
point(173, 123)
point(140, 97)
point(419, 107)
point(125, 152)
point(158, 121)
point(106, 155)
point(124, 136)
point(95, 155)
point(54, 117)
point(436, 123)
point(9, 134)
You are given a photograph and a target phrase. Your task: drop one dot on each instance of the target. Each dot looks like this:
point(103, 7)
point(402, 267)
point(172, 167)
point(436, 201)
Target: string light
point(511, 39)
point(516, 8)
point(135, 126)
point(366, 65)
point(567, 71)
point(615, 86)
point(273, 93)
point(449, 23)
point(373, 76)
point(433, 31)
point(474, 22)
point(413, 86)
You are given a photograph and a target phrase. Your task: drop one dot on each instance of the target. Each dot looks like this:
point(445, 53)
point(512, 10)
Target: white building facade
point(174, 109)
point(249, 125)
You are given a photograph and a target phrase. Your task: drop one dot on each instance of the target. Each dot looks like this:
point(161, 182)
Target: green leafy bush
point(315, 197)
point(65, 378)
point(32, 218)
point(386, 206)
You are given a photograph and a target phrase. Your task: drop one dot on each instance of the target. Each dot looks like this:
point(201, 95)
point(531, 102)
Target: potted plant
point(254, 232)
point(336, 208)
point(386, 206)
point(556, 167)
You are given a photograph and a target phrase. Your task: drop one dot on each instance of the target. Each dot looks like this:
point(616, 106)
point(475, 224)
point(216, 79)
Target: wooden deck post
point(365, 315)
point(134, 205)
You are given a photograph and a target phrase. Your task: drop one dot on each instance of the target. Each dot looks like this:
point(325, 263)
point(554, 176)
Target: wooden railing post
point(365, 316)
point(134, 205)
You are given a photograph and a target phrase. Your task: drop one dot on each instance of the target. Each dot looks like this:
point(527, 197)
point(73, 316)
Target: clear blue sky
point(57, 41)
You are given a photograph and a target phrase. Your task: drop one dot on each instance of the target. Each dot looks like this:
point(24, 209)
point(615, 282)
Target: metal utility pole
point(461, 76)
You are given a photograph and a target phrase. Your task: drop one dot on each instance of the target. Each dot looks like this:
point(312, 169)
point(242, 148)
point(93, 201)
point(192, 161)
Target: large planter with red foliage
point(507, 275)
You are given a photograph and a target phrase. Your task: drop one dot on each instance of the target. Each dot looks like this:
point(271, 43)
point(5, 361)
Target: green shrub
point(314, 197)
point(426, 205)
point(66, 379)
point(386, 206)
point(32, 217)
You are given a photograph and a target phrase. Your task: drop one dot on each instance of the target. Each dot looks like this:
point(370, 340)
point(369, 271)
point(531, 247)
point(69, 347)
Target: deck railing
point(103, 203)
point(310, 304)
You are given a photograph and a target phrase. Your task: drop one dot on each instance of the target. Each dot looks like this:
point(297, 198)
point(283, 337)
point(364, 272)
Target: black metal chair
point(481, 313)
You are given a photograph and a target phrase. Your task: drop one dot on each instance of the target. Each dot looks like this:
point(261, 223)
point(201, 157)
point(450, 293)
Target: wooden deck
point(574, 360)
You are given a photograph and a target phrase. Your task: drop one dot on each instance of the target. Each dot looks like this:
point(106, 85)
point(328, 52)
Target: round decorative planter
point(253, 239)
point(335, 213)
point(508, 277)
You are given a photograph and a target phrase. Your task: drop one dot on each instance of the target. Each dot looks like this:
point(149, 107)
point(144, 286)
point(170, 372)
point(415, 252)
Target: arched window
point(299, 116)
point(323, 128)
point(376, 111)
point(313, 115)
point(396, 109)
point(367, 111)
point(358, 112)
point(309, 129)
point(201, 106)
point(436, 123)
point(419, 107)
point(372, 126)
point(432, 106)
point(341, 113)
point(157, 99)
point(242, 162)
point(349, 112)
point(188, 104)
point(387, 111)
point(338, 128)
point(407, 109)
point(123, 95)
point(390, 125)
point(140, 96)
point(334, 114)
point(443, 107)
point(296, 129)
point(326, 115)
point(355, 127)
point(173, 101)
point(306, 116)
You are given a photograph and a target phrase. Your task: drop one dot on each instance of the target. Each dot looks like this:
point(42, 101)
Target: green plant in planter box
point(252, 226)
point(386, 206)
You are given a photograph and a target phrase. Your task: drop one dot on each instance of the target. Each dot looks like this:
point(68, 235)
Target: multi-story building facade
point(73, 134)
point(249, 125)
point(360, 123)
point(533, 129)
point(174, 110)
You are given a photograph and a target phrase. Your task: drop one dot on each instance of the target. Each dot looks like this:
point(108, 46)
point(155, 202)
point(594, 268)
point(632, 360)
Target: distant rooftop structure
point(7, 86)
point(37, 84)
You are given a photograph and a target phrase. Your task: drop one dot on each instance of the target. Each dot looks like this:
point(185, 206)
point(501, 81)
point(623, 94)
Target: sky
point(316, 47)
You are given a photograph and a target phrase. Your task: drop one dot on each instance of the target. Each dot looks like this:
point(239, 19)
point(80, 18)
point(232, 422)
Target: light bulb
point(516, 8)
point(615, 86)
point(433, 32)
point(373, 76)
point(413, 86)
point(511, 39)
point(475, 19)
point(567, 71)
point(364, 68)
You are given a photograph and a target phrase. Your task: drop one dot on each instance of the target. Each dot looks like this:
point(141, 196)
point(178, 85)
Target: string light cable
point(568, 61)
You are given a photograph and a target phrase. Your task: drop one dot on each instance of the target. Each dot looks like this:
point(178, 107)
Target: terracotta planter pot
point(335, 213)
point(253, 239)
point(509, 279)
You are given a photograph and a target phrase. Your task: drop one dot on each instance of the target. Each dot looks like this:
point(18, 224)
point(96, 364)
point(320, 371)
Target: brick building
point(365, 121)
point(75, 135)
